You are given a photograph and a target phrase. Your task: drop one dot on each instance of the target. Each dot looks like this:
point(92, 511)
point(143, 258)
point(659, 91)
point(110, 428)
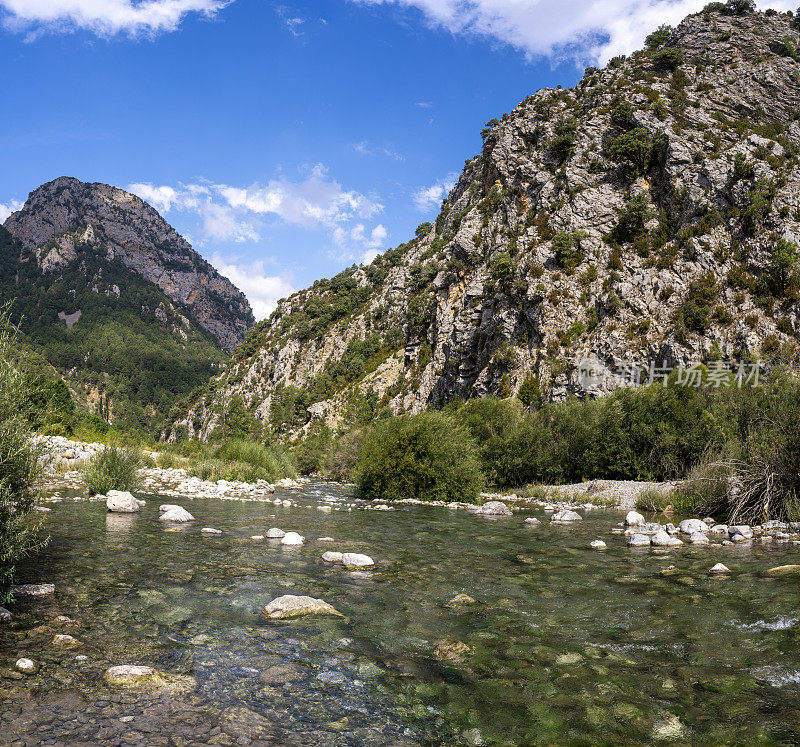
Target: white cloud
point(10, 207)
point(364, 148)
point(232, 213)
point(262, 290)
point(105, 17)
point(589, 30)
point(430, 198)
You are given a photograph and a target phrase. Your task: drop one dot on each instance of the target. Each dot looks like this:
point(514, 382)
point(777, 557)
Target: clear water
point(568, 645)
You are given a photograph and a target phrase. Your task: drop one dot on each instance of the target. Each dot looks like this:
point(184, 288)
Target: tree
point(632, 148)
point(20, 469)
point(783, 263)
point(658, 37)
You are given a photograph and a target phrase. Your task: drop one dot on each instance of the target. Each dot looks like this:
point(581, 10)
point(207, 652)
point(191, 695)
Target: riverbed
point(563, 644)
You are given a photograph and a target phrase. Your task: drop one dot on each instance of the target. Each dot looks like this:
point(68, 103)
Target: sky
point(285, 140)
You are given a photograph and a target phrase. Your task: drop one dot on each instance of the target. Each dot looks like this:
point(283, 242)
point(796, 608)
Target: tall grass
point(20, 467)
point(113, 469)
point(245, 461)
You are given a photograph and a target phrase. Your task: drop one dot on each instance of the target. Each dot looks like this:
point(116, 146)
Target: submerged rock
point(122, 502)
point(356, 560)
point(128, 674)
point(494, 508)
point(565, 516)
point(451, 650)
point(291, 605)
point(532, 520)
point(598, 545)
point(784, 570)
point(33, 590)
point(275, 533)
point(176, 514)
point(26, 666)
point(209, 530)
point(639, 540)
point(332, 556)
point(460, 600)
point(62, 640)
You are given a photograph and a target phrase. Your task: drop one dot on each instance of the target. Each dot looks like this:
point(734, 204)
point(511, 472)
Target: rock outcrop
point(64, 217)
point(647, 216)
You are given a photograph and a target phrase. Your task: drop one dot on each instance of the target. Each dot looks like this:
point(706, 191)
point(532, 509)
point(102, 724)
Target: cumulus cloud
point(589, 30)
point(104, 17)
point(262, 290)
point(429, 198)
point(9, 207)
point(234, 213)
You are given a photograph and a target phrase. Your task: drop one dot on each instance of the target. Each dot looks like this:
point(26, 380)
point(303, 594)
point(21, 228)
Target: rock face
point(592, 225)
point(63, 217)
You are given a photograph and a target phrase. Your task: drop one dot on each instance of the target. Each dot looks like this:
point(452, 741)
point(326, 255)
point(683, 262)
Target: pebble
point(33, 590)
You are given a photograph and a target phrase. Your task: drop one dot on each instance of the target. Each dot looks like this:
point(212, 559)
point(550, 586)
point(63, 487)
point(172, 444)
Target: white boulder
point(639, 540)
point(177, 515)
point(275, 533)
point(121, 502)
point(356, 560)
point(698, 538)
point(565, 516)
point(291, 605)
point(690, 526)
point(332, 556)
point(292, 538)
point(634, 519)
point(494, 508)
point(598, 545)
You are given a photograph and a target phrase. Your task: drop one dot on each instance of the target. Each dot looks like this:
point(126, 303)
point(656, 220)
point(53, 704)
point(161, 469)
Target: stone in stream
point(565, 516)
point(291, 605)
point(176, 514)
point(164, 507)
point(634, 519)
point(690, 526)
point(129, 674)
point(532, 520)
point(784, 570)
point(26, 666)
point(5, 615)
point(719, 529)
point(275, 533)
point(698, 538)
point(663, 539)
point(461, 599)
point(494, 508)
point(720, 568)
point(209, 530)
point(357, 560)
point(598, 545)
point(61, 640)
point(33, 590)
point(332, 556)
point(740, 538)
point(121, 502)
point(742, 529)
point(325, 539)
point(639, 540)
point(451, 650)
point(292, 538)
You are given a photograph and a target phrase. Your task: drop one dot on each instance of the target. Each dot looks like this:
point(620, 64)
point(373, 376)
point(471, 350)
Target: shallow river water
point(568, 645)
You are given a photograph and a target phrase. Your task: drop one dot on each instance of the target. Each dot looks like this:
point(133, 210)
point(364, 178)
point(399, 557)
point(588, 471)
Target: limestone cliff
point(652, 212)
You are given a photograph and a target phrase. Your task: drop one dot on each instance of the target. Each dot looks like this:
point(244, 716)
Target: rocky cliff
point(64, 216)
point(650, 213)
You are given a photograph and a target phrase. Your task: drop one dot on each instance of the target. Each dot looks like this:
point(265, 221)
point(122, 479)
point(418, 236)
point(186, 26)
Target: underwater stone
point(332, 557)
point(275, 533)
point(291, 605)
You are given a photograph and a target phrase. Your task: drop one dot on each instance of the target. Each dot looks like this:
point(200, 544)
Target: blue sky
point(286, 140)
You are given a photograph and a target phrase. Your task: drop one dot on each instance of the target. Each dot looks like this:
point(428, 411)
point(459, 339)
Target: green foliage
point(311, 453)
point(658, 37)
point(113, 469)
point(694, 314)
point(783, 263)
point(631, 148)
point(502, 267)
point(633, 217)
point(237, 420)
point(668, 58)
point(739, 7)
point(248, 461)
point(530, 393)
point(429, 456)
point(759, 202)
point(20, 469)
point(560, 145)
point(566, 247)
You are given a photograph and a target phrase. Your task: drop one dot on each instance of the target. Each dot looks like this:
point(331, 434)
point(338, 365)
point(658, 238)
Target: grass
point(244, 461)
point(113, 468)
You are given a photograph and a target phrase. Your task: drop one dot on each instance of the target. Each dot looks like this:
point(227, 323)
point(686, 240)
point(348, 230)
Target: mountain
point(112, 297)
point(650, 213)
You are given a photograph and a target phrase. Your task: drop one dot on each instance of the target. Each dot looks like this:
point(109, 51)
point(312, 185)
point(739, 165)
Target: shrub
point(342, 458)
point(653, 499)
point(567, 252)
point(429, 456)
point(739, 7)
point(265, 463)
point(668, 58)
point(658, 37)
point(633, 217)
point(632, 148)
point(783, 262)
point(20, 470)
point(113, 469)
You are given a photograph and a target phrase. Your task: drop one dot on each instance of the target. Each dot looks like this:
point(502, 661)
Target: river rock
point(719, 529)
point(176, 514)
point(698, 538)
point(33, 590)
point(639, 540)
point(494, 508)
point(634, 519)
point(26, 666)
point(325, 539)
point(5, 615)
point(532, 520)
point(129, 674)
point(356, 560)
point(690, 526)
point(275, 533)
point(742, 529)
point(332, 556)
point(209, 530)
point(451, 650)
point(461, 599)
point(63, 640)
point(598, 545)
point(720, 568)
point(291, 605)
point(784, 570)
point(164, 507)
point(565, 515)
point(292, 538)
point(121, 502)
point(739, 538)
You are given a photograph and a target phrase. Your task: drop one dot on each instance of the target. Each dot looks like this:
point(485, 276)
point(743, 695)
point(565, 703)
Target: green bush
point(113, 469)
point(658, 37)
point(429, 456)
point(20, 469)
point(255, 460)
point(631, 148)
point(668, 58)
